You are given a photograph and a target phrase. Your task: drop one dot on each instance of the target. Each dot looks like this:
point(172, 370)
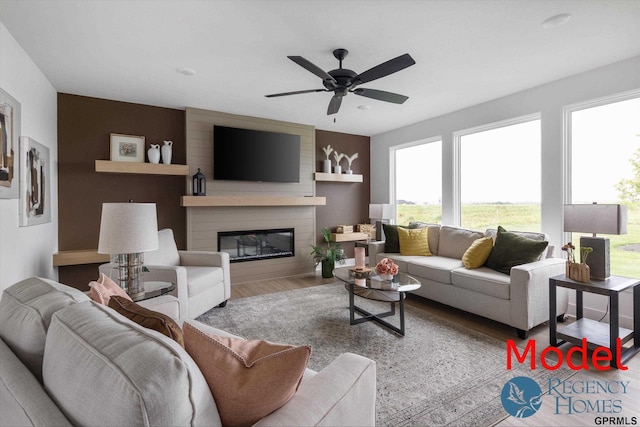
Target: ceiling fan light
point(556, 21)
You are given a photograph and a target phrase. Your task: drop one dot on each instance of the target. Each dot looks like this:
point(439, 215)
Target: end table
point(598, 334)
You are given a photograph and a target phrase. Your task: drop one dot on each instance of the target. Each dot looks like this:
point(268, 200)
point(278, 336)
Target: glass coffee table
point(374, 288)
point(154, 289)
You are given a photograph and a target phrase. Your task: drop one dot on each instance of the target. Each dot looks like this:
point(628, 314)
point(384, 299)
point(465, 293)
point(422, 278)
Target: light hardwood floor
point(630, 402)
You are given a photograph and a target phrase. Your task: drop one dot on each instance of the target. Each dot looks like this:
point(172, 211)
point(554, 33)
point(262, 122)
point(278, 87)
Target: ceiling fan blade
point(384, 69)
point(296, 92)
point(381, 95)
point(334, 105)
point(309, 66)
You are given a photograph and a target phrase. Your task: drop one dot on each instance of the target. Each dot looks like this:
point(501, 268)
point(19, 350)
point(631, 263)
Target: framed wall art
point(35, 187)
point(9, 132)
point(127, 148)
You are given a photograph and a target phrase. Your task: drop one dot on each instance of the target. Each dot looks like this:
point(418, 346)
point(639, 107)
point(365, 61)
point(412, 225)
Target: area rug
point(440, 373)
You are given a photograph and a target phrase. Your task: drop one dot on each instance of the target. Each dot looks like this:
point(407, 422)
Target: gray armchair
point(202, 278)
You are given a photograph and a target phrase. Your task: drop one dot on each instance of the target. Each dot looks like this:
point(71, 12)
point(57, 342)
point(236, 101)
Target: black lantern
point(199, 184)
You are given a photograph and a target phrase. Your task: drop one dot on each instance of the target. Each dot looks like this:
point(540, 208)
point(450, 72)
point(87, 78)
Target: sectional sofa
point(66, 360)
point(519, 299)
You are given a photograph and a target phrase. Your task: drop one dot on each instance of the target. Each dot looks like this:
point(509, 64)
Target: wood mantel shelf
point(194, 201)
point(141, 168)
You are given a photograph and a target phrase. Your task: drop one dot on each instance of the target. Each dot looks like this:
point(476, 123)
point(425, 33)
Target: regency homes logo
point(522, 396)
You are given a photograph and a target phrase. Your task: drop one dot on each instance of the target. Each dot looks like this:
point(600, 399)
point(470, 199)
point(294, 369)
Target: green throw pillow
point(511, 250)
point(391, 239)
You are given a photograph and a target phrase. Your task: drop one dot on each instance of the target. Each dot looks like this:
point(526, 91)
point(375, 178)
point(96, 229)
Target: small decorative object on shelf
point(127, 148)
point(350, 160)
point(344, 229)
point(166, 152)
point(153, 153)
point(338, 157)
point(386, 269)
point(327, 162)
point(369, 229)
point(199, 184)
point(578, 271)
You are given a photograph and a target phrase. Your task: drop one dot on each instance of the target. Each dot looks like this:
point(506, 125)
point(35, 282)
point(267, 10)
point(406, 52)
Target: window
point(500, 176)
point(418, 182)
point(605, 154)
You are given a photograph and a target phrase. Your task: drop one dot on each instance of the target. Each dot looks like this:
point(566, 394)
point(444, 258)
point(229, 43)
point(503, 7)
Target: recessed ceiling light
point(364, 107)
point(556, 21)
point(187, 71)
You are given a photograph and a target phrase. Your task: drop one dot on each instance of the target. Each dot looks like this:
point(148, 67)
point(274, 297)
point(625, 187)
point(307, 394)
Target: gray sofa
point(520, 299)
point(66, 360)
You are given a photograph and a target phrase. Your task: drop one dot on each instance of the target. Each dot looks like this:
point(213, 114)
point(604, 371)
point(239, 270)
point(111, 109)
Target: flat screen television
point(252, 155)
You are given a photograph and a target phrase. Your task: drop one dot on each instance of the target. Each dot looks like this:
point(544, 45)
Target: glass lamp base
point(130, 275)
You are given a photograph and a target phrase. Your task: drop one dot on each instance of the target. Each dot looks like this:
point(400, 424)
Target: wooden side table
point(598, 334)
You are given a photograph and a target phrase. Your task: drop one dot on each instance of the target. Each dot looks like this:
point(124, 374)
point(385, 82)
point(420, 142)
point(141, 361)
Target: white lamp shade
point(382, 211)
point(127, 228)
point(595, 218)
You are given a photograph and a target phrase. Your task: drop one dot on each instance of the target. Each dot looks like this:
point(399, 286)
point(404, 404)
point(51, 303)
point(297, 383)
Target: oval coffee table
point(375, 288)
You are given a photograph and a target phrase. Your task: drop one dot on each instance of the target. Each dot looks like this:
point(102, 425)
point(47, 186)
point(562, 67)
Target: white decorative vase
point(386, 276)
point(349, 172)
point(327, 166)
point(166, 152)
point(153, 153)
point(337, 169)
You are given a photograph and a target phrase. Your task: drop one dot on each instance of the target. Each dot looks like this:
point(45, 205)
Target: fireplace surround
point(252, 245)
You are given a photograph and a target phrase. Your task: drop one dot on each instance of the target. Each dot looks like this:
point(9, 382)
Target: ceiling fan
point(341, 81)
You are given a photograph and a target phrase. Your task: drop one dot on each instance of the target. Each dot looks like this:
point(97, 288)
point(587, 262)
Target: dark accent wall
point(347, 203)
point(84, 126)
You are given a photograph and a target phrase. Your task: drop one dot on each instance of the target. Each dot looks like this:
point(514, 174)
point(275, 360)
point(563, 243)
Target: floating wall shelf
point(337, 177)
point(78, 257)
point(141, 168)
point(349, 237)
point(194, 201)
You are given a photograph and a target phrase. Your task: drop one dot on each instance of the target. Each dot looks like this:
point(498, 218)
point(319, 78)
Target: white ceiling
point(466, 52)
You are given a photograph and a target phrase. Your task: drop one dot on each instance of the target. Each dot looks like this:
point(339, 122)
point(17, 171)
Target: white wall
point(27, 251)
point(548, 100)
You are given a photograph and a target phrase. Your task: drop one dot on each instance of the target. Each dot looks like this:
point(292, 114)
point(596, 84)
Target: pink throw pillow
point(104, 288)
point(248, 379)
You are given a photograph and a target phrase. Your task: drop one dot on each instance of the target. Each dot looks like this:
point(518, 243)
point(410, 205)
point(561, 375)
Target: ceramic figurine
point(166, 152)
point(153, 153)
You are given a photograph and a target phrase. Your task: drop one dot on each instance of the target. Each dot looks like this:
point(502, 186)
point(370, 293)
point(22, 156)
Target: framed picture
point(9, 132)
point(35, 187)
point(127, 148)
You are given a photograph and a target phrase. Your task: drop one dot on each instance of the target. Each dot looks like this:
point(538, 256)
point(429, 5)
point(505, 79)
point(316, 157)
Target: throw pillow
point(391, 239)
point(249, 379)
point(478, 252)
point(414, 242)
point(104, 288)
point(511, 250)
point(147, 318)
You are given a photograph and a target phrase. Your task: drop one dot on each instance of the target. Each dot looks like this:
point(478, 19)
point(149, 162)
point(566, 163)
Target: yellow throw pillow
point(414, 241)
point(249, 379)
point(477, 253)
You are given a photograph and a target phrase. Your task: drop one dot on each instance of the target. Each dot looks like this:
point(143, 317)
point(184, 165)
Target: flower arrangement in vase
point(326, 168)
point(386, 269)
point(578, 271)
point(338, 157)
point(350, 160)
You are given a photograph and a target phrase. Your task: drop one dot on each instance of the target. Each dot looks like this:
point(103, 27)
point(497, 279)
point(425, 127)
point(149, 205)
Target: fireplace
point(252, 245)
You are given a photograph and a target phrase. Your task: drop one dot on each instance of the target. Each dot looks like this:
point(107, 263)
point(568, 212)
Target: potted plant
point(327, 254)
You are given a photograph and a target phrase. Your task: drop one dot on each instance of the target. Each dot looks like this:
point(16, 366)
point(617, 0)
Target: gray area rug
point(440, 373)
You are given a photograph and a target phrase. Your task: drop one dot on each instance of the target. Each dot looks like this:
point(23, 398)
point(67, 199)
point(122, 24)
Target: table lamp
point(596, 219)
point(381, 214)
point(127, 230)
